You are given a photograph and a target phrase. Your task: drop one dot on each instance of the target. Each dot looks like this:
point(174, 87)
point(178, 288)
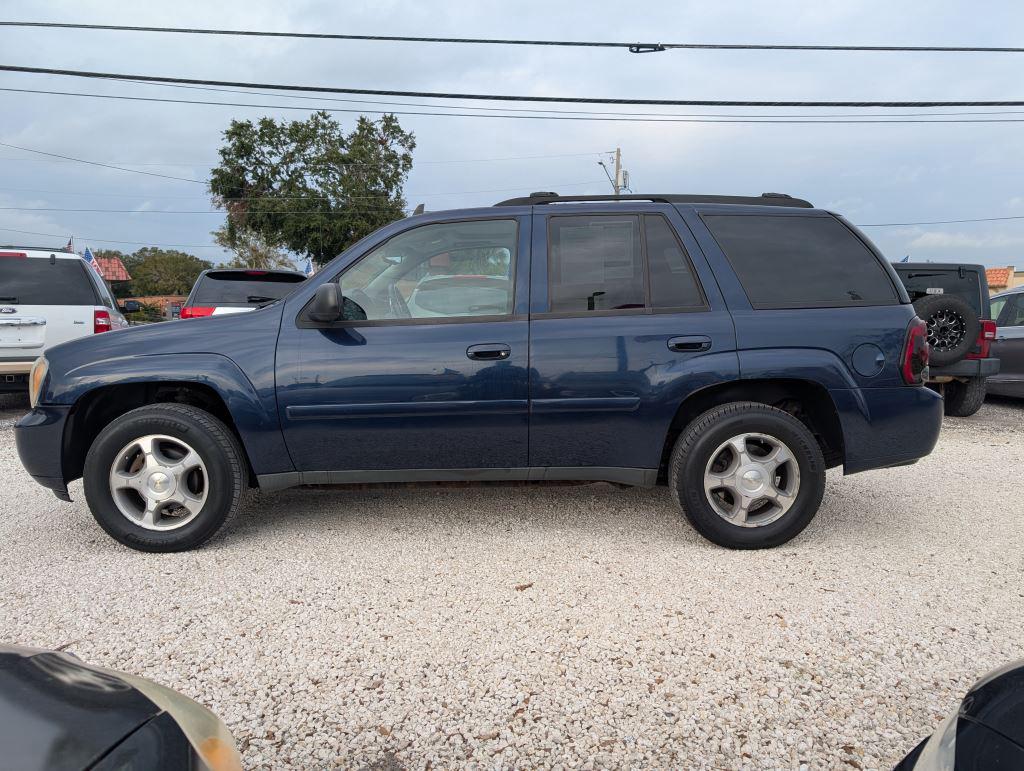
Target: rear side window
point(604, 263)
point(222, 287)
point(801, 262)
point(35, 281)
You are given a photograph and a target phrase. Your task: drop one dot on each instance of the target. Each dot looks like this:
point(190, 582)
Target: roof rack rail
point(765, 199)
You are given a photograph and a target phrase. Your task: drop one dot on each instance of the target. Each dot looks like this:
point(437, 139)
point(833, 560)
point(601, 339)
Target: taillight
point(100, 321)
point(986, 335)
point(915, 353)
point(195, 311)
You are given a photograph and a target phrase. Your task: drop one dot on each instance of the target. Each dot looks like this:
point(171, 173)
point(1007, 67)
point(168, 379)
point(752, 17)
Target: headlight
point(35, 380)
point(205, 731)
point(939, 754)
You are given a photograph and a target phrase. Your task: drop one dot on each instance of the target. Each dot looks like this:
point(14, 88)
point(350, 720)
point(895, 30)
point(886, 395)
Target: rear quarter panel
point(884, 421)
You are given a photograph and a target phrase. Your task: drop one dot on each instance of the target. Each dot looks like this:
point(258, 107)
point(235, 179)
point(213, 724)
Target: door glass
point(594, 264)
point(673, 284)
point(456, 269)
point(1014, 312)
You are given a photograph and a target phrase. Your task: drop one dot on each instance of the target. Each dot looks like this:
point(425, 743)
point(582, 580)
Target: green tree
point(251, 249)
point(163, 271)
point(307, 185)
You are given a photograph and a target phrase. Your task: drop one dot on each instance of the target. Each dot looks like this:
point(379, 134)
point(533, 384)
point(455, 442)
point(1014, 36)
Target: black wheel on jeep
point(166, 477)
point(953, 327)
point(747, 475)
point(963, 399)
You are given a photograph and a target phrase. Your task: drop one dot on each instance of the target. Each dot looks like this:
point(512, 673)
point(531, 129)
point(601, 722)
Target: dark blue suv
point(731, 348)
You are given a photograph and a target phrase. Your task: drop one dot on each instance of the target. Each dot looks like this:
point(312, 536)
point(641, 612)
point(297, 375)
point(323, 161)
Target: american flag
point(91, 259)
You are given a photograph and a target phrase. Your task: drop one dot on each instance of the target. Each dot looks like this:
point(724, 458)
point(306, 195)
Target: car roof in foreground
point(34, 252)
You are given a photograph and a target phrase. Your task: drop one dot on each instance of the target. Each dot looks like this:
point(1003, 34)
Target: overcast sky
point(871, 173)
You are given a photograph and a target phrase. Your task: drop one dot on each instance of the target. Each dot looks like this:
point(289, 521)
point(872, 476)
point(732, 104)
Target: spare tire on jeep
point(953, 327)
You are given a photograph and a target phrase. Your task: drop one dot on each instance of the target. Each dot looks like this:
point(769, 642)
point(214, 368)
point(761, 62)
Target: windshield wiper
point(260, 298)
point(8, 299)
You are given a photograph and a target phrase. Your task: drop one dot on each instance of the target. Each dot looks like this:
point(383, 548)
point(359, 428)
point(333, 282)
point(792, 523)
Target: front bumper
point(39, 436)
point(966, 368)
point(885, 427)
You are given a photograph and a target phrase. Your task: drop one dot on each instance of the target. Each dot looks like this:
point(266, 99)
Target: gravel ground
point(552, 626)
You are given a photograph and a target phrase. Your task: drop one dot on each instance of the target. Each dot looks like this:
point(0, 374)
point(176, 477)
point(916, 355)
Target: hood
point(209, 334)
point(57, 712)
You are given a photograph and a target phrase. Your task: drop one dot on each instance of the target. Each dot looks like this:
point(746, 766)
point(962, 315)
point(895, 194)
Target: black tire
point(953, 327)
point(963, 399)
point(700, 440)
point(216, 445)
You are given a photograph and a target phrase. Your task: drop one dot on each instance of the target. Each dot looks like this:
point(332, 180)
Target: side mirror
point(131, 306)
point(326, 304)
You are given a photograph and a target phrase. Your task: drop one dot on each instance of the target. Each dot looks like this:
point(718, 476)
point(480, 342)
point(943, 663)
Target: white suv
point(47, 297)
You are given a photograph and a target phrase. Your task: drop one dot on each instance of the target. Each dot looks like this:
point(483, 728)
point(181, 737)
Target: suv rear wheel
point(166, 477)
point(747, 475)
point(961, 399)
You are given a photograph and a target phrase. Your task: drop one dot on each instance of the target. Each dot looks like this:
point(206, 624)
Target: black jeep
point(953, 300)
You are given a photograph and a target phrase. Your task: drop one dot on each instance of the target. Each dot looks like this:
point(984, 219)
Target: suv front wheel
point(747, 475)
point(165, 477)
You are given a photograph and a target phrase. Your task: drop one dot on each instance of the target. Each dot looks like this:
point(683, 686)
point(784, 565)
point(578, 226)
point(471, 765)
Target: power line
point(635, 47)
point(805, 121)
point(103, 165)
point(577, 112)
point(505, 97)
point(290, 197)
point(110, 241)
point(938, 222)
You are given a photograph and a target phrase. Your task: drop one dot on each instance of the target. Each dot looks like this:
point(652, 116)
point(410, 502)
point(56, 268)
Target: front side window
point(1013, 315)
point(801, 262)
point(454, 269)
point(601, 263)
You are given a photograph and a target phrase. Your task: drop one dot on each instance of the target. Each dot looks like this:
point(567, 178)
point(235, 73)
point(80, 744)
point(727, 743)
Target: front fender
point(253, 412)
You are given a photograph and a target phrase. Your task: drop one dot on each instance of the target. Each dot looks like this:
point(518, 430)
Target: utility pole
point(620, 180)
point(617, 184)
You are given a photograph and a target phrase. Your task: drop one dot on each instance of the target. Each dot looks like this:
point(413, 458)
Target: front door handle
point(489, 352)
point(689, 343)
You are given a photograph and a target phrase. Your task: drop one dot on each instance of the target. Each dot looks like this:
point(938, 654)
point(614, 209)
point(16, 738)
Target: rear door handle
point(489, 352)
point(689, 343)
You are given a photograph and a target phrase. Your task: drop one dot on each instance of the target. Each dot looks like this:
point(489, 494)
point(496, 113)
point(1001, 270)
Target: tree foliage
point(307, 185)
point(251, 249)
point(162, 271)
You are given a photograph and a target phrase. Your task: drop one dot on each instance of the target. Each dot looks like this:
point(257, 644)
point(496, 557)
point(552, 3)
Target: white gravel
point(552, 627)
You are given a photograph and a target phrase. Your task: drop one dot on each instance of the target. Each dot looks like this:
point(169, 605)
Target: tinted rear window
point(243, 288)
point(801, 262)
point(920, 282)
point(34, 281)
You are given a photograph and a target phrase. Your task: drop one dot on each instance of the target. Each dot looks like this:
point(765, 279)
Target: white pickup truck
point(47, 297)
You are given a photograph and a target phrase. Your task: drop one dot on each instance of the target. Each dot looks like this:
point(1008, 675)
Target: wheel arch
point(102, 391)
point(805, 400)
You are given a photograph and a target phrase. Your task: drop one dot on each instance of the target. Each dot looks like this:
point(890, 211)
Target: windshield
point(243, 288)
point(37, 281)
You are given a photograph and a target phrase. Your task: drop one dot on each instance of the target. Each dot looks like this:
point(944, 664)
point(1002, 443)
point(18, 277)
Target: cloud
point(939, 239)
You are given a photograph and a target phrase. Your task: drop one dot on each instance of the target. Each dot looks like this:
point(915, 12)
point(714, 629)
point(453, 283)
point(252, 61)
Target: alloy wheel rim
point(752, 479)
point(946, 329)
point(159, 482)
